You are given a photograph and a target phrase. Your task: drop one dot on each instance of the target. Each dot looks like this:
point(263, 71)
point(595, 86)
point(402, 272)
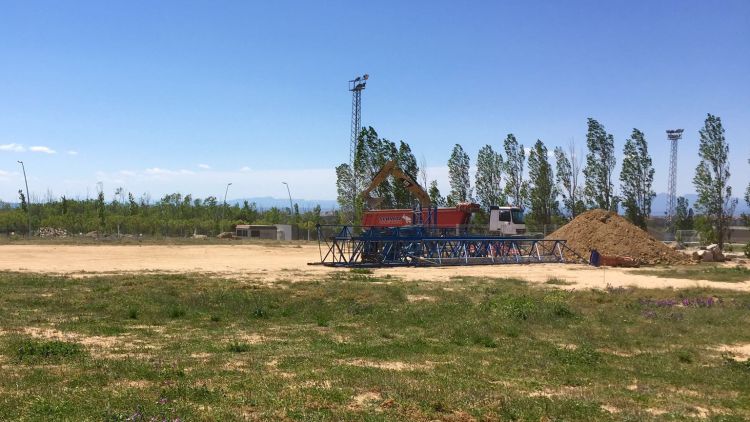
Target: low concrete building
point(257, 231)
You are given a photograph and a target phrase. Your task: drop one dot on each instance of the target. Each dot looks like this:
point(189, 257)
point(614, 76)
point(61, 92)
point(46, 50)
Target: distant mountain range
point(659, 205)
point(266, 202)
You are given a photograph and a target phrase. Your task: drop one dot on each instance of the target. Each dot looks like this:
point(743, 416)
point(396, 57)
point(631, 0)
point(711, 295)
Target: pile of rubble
point(615, 237)
point(712, 253)
point(51, 232)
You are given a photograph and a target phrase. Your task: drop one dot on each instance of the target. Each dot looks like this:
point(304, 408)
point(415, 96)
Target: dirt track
point(271, 262)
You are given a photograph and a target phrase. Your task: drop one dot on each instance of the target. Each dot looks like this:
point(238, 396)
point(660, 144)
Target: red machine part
point(446, 217)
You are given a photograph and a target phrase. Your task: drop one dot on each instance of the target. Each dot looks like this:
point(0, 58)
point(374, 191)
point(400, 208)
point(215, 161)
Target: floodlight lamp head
point(366, 76)
point(674, 134)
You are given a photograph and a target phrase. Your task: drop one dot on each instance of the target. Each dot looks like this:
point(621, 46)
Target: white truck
point(508, 221)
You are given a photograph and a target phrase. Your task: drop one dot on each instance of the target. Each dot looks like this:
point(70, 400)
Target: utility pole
point(224, 208)
point(28, 198)
point(356, 86)
point(673, 136)
point(291, 207)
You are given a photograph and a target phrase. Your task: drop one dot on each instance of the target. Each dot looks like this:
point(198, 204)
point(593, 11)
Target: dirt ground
point(272, 262)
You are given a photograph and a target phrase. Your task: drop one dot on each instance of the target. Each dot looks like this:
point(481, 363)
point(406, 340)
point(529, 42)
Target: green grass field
point(353, 347)
point(702, 272)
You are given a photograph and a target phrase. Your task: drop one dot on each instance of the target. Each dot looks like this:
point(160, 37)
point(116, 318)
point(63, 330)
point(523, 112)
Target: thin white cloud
point(72, 152)
point(12, 147)
point(127, 173)
point(245, 169)
point(156, 171)
point(4, 173)
point(204, 166)
point(41, 148)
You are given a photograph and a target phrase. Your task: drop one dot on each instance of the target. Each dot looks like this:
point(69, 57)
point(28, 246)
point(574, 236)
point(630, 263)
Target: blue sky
point(186, 96)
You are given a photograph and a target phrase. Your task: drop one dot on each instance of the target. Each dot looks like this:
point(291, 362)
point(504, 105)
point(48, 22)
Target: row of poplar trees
point(501, 180)
point(550, 191)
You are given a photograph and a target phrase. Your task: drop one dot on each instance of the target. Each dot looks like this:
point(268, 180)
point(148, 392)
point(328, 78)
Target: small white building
point(258, 231)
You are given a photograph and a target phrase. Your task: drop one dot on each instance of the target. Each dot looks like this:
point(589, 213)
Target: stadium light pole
point(291, 206)
point(28, 198)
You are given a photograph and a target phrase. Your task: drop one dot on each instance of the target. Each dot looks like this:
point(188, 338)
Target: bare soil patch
point(740, 352)
point(365, 399)
point(99, 346)
point(388, 365)
point(289, 263)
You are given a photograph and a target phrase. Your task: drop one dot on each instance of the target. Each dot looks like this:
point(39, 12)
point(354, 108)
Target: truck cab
point(507, 220)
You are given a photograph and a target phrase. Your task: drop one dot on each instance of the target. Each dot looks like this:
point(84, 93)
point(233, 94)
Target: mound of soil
point(611, 234)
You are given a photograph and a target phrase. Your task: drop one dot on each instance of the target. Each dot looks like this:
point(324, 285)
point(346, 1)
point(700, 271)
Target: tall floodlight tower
point(356, 86)
point(673, 136)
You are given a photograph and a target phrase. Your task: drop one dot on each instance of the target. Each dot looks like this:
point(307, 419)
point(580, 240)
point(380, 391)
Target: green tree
point(345, 196)
point(516, 189)
point(711, 178)
point(435, 196)
point(683, 214)
point(22, 198)
point(371, 155)
point(458, 173)
point(101, 210)
point(568, 167)
point(542, 191)
point(408, 163)
point(636, 178)
point(600, 163)
point(132, 204)
point(488, 177)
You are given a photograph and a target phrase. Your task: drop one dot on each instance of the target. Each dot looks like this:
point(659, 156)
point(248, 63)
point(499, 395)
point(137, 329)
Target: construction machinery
point(430, 235)
point(505, 220)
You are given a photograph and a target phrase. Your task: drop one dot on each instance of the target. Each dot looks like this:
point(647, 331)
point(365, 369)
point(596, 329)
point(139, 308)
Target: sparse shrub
point(215, 318)
point(685, 356)
point(583, 354)
point(361, 274)
point(322, 320)
point(485, 340)
point(361, 271)
point(358, 308)
point(511, 331)
point(32, 349)
point(176, 312)
point(238, 347)
point(556, 305)
point(259, 313)
point(587, 354)
point(520, 307)
point(558, 281)
point(615, 290)
point(387, 334)
point(133, 313)
point(747, 250)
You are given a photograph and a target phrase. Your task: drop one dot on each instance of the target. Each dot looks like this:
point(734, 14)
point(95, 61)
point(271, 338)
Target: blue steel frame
point(423, 246)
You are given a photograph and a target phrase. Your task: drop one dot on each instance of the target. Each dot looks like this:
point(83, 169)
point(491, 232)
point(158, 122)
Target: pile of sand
point(611, 234)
